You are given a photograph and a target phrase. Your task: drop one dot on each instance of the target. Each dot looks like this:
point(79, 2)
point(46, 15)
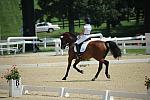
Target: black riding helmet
point(87, 20)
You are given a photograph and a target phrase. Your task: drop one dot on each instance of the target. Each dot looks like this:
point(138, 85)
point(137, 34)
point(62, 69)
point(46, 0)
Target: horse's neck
point(73, 38)
point(71, 43)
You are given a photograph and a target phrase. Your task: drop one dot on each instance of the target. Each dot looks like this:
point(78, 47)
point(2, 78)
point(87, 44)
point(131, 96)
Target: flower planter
point(15, 88)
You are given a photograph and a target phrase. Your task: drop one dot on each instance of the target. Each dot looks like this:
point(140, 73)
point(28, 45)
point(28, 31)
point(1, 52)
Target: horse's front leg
point(99, 69)
point(75, 67)
point(68, 68)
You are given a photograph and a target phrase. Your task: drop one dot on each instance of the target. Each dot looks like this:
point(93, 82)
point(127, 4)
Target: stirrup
point(78, 56)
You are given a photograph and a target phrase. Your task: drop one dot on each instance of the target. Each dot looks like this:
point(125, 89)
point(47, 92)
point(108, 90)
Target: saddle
point(82, 46)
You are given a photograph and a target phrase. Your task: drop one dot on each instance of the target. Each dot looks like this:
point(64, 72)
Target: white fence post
point(58, 47)
point(62, 92)
point(44, 42)
point(124, 49)
point(106, 96)
point(147, 36)
point(1, 49)
point(23, 48)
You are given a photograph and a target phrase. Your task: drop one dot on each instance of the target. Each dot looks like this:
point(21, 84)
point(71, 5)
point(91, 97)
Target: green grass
point(136, 51)
point(48, 49)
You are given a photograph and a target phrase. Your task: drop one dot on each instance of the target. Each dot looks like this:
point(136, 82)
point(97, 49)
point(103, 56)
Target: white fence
point(63, 91)
point(137, 42)
point(125, 43)
point(12, 44)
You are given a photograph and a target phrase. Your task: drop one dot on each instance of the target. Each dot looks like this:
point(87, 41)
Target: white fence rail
point(63, 91)
point(9, 39)
point(9, 45)
point(137, 42)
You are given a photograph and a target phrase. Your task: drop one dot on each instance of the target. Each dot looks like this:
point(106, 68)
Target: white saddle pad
point(83, 46)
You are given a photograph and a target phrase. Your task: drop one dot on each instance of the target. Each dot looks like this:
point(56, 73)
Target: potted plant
point(147, 84)
point(12, 74)
point(14, 78)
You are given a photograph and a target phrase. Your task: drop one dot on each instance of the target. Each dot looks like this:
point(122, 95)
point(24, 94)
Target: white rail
point(105, 95)
point(62, 91)
point(4, 46)
point(124, 43)
point(19, 38)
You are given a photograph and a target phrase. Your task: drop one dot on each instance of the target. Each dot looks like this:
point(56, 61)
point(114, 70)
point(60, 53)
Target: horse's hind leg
point(106, 70)
point(75, 67)
point(99, 69)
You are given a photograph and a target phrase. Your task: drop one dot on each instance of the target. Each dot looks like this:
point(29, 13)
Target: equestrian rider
point(84, 35)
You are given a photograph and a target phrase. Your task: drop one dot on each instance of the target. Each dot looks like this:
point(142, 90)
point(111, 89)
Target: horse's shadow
point(3, 97)
point(81, 81)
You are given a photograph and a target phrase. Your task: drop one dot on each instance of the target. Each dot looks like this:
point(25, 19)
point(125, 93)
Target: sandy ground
point(124, 77)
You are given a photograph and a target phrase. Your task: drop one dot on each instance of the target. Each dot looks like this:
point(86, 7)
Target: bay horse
point(96, 49)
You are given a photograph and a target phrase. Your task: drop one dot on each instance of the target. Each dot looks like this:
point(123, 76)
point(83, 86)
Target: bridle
point(67, 40)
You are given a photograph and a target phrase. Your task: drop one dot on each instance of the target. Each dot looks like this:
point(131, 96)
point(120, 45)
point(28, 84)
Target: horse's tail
point(114, 49)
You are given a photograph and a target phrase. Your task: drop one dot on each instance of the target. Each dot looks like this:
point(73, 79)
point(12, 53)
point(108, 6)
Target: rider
point(84, 35)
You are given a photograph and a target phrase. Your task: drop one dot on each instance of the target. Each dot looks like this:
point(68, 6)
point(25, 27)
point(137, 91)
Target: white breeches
point(82, 38)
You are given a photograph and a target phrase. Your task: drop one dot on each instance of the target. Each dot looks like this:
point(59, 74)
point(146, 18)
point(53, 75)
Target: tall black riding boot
point(78, 50)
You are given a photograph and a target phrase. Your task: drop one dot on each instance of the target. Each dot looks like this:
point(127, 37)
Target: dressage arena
point(44, 69)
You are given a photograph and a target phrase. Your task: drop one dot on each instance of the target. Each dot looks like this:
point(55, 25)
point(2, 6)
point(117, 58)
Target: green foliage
point(10, 18)
point(126, 29)
point(101, 11)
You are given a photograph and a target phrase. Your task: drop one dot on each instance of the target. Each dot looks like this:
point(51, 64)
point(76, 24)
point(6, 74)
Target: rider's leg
point(78, 50)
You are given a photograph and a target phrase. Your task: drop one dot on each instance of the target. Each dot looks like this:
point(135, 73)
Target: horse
point(95, 49)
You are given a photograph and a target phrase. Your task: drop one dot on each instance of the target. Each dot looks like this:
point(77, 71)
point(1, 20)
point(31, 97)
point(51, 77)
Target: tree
point(147, 16)
point(109, 11)
point(28, 22)
point(28, 17)
point(68, 8)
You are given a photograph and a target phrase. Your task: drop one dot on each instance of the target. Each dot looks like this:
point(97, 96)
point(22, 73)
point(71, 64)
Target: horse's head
point(67, 39)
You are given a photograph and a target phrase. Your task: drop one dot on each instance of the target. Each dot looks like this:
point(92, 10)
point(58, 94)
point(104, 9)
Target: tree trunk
point(71, 25)
point(108, 26)
point(147, 16)
point(71, 17)
point(137, 15)
point(28, 21)
point(28, 17)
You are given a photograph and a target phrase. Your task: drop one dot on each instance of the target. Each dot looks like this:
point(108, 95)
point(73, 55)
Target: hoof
point(81, 71)
point(108, 76)
point(64, 78)
point(93, 79)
